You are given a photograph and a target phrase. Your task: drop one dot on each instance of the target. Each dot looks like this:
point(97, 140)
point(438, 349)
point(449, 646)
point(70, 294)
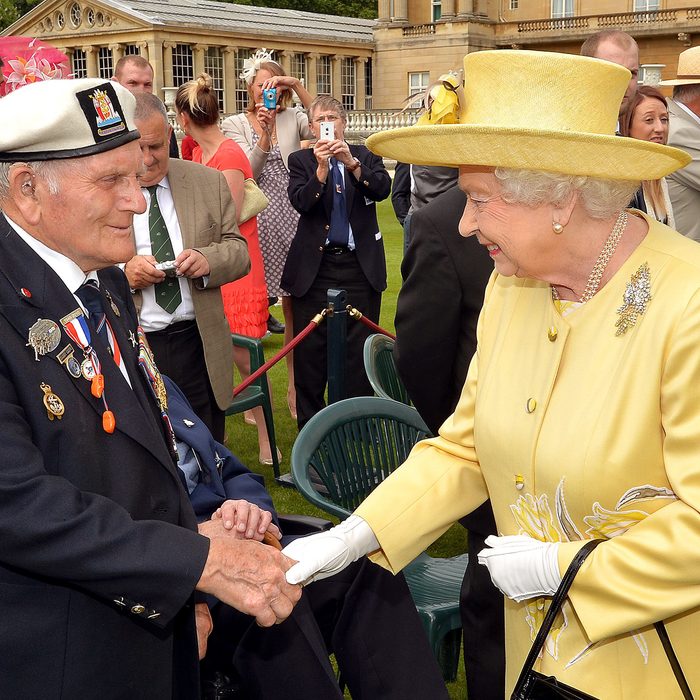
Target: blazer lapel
point(185, 204)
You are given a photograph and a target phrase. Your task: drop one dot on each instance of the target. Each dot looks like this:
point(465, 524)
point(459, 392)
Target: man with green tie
point(187, 246)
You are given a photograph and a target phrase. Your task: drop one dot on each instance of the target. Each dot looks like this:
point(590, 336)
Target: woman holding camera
point(245, 300)
point(268, 134)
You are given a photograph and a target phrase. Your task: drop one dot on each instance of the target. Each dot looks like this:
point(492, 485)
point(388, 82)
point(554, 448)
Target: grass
point(242, 438)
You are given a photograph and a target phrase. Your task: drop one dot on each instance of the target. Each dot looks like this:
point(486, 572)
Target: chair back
point(381, 368)
point(350, 447)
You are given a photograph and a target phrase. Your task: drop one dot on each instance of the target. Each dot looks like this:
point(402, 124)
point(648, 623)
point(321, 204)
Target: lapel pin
point(187, 422)
point(132, 339)
point(54, 405)
point(112, 305)
point(44, 336)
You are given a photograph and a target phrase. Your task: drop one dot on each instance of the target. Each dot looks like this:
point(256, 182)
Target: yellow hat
point(535, 110)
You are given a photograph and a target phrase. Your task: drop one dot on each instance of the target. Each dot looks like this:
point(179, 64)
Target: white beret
point(56, 119)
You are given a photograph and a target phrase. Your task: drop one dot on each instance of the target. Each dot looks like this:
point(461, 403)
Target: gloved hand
point(327, 553)
point(522, 567)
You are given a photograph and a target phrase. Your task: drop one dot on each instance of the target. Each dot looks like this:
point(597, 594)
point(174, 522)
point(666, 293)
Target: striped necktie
point(167, 292)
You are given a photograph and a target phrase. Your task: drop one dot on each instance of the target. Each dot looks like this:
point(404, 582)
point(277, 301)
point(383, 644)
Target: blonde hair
point(198, 100)
point(284, 98)
point(601, 199)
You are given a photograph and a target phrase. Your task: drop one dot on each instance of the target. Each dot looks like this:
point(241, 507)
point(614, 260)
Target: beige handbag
point(254, 200)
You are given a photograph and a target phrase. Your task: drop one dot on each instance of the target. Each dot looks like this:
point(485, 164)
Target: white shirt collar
point(689, 111)
point(71, 275)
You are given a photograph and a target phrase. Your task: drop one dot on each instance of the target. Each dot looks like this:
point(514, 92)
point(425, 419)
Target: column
point(312, 73)
point(198, 58)
point(384, 12)
point(91, 59)
point(465, 8)
point(168, 63)
point(360, 87)
point(117, 52)
point(448, 11)
point(142, 46)
point(155, 58)
point(401, 11)
point(230, 79)
point(336, 89)
point(286, 61)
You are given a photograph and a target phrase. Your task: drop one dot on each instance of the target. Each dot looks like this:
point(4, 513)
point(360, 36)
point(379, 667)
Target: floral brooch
point(636, 297)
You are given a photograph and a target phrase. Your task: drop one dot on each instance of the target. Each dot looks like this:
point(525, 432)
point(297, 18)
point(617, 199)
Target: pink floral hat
point(26, 60)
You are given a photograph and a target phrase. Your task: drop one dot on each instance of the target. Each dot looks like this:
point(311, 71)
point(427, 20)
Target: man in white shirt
point(180, 308)
point(684, 132)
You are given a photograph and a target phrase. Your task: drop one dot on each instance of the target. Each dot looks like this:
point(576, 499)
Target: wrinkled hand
point(522, 567)
point(249, 576)
point(322, 153)
point(341, 152)
point(246, 520)
point(205, 625)
point(281, 82)
point(140, 271)
point(325, 554)
point(191, 263)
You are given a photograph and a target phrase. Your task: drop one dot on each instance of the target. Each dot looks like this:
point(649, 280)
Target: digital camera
point(270, 98)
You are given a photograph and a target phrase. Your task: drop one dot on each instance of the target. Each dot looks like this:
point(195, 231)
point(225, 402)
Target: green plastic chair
point(381, 370)
point(257, 394)
point(339, 457)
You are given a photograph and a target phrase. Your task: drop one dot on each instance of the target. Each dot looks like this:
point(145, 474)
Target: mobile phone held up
point(327, 131)
point(270, 98)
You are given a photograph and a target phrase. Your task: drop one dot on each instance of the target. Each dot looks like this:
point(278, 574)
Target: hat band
point(19, 157)
point(686, 76)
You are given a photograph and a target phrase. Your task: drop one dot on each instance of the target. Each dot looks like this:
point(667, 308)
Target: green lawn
point(242, 438)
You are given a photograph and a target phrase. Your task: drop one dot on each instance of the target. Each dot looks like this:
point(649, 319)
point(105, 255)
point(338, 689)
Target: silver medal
point(44, 336)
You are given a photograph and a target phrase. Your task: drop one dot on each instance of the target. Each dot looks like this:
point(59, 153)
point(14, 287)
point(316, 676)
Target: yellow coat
point(601, 432)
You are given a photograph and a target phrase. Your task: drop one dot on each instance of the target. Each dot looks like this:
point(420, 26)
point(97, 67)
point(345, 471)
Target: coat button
point(519, 482)
point(120, 601)
point(552, 333)
point(365, 183)
point(320, 248)
point(531, 405)
point(153, 615)
point(327, 227)
point(138, 609)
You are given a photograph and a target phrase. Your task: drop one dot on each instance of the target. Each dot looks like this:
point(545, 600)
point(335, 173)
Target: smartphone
point(327, 131)
point(270, 98)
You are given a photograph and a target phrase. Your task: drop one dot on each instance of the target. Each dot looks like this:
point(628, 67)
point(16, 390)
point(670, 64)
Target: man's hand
point(192, 263)
point(205, 625)
point(243, 520)
point(341, 152)
point(249, 576)
point(141, 272)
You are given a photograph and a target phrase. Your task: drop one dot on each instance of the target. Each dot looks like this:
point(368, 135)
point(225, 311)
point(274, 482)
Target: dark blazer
point(314, 200)
point(444, 278)
point(99, 558)
point(223, 475)
point(401, 191)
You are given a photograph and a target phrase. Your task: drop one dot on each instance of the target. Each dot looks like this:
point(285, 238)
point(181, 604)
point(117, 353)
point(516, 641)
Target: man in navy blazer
point(337, 245)
point(364, 616)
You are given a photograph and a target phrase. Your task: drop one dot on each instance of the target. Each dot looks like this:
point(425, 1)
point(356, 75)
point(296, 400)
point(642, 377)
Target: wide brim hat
point(57, 119)
point(688, 72)
point(535, 110)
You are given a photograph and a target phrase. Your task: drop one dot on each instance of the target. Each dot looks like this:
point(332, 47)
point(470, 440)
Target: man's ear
point(22, 192)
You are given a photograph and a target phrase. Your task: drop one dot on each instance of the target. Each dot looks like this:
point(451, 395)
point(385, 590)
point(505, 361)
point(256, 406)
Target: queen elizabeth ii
point(579, 418)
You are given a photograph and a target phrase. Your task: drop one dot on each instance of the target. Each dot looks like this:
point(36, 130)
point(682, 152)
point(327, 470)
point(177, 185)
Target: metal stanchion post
point(337, 320)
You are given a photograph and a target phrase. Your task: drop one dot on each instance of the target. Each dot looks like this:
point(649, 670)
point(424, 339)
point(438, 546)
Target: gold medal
point(54, 405)
point(44, 336)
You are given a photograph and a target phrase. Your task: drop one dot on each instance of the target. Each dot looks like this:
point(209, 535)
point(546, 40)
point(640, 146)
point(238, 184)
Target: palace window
point(242, 96)
point(90, 16)
point(183, 66)
point(323, 75)
point(368, 83)
point(436, 9)
point(298, 67)
point(562, 8)
point(214, 65)
point(418, 84)
point(76, 16)
point(513, 4)
point(131, 50)
point(60, 20)
point(79, 63)
point(105, 67)
point(645, 5)
point(347, 83)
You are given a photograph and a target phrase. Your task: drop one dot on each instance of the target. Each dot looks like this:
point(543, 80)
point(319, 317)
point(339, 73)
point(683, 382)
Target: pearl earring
point(557, 227)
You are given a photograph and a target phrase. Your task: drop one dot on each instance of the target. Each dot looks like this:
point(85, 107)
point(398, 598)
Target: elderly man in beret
point(100, 553)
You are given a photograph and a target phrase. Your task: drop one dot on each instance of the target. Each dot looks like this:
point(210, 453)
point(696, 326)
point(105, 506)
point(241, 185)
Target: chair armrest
point(303, 524)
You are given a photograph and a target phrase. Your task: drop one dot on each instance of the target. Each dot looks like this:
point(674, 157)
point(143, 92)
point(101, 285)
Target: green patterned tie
point(167, 292)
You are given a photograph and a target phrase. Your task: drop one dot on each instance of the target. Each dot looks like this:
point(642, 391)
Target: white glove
point(322, 555)
point(522, 567)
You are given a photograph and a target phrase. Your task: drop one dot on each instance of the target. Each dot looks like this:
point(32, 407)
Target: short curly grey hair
point(602, 199)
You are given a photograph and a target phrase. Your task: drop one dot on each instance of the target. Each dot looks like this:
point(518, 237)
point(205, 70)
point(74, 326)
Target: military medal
point(112, 305)
point(44, 336)
point(132, 339)
point(54, 405)
point(67, 358)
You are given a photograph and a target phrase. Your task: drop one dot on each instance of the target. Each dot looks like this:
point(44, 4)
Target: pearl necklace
point(601, 263)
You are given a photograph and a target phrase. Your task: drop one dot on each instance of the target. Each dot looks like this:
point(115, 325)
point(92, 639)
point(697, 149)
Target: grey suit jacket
point(684, 184)
point(207, 217)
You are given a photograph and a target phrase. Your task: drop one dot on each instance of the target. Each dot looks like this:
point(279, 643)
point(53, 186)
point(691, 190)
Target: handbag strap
point(554, 608)
point(673, 660)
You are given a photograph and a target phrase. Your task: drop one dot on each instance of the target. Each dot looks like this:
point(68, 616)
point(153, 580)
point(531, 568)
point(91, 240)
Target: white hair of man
point(601, 199)
point(52, 171)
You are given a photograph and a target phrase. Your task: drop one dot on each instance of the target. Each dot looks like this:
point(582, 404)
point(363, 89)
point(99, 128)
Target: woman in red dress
point(245, 300)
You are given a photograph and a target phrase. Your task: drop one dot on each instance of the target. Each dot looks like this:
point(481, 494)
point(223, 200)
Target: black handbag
point(532, 685)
